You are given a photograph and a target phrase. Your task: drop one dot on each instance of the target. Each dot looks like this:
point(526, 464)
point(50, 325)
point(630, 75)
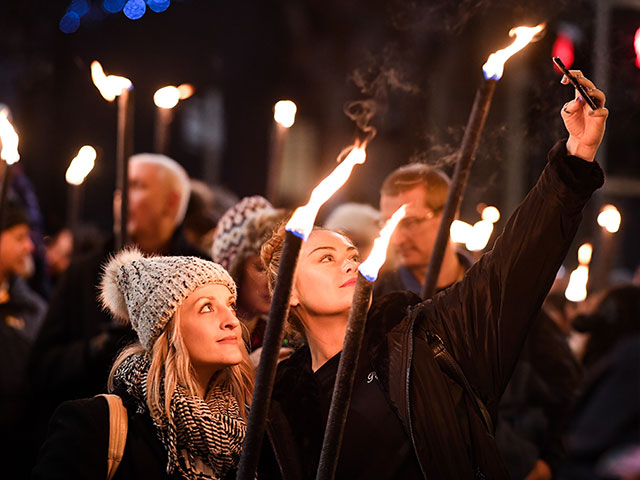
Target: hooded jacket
point(482, 320)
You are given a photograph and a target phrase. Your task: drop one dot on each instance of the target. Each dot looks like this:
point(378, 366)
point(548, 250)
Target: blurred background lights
point(90, 10)
point(113, 6)
point(158, 6)
point(69, 23)
point(284, 112)
point(491, 214)
point(80, 7)
point(609, 218)
point(134, 9)
point(186, 90)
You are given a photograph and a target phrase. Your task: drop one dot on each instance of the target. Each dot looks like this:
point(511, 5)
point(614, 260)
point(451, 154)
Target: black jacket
point(76, 446)
point(483, 321)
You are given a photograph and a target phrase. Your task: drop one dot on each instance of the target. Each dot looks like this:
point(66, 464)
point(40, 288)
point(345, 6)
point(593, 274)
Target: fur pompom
point(111, 297)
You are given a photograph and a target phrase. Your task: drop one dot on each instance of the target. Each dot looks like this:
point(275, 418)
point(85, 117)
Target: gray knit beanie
point(148, 291)
point(233, 241)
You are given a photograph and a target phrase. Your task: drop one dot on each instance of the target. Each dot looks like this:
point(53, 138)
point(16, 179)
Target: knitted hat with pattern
point(232, 240)
point(148, 291)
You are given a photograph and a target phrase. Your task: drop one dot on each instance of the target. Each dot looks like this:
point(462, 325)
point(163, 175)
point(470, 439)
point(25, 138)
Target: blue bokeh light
point(70, 22)
point(79, 7)
point(158, 6)
point(134, 9)
point(113, 6)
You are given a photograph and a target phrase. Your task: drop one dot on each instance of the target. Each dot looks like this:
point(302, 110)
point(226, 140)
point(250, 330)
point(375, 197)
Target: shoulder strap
point(449, 366)
point(118, 425)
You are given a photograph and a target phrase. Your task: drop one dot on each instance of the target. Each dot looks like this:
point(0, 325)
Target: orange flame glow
point(186, 90)
point(494, 66)
point(302, 220)
point(371, 266)
point(9, 139)
point(110, 86)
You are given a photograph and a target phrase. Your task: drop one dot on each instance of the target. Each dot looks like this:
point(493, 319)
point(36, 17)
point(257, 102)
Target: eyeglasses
point(413, 223)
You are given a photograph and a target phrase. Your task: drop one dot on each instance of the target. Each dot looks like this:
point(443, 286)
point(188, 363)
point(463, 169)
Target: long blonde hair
point(171, 366)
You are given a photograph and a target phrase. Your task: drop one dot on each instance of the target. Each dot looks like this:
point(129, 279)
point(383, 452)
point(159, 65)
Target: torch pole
point(74, 206)
point(164, 117)
point(278, 139)
point(269, 358)
point(344, 380)
point(466, 157)
point(124, 150)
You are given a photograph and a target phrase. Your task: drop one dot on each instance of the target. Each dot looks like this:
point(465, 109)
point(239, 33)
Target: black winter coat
point(76, 446)
point(483, 321)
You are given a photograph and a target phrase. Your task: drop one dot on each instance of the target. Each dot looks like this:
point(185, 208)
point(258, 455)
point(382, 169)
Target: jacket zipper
point(408, 358)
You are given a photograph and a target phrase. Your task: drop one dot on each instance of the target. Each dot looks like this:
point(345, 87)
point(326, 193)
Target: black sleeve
point(77, 442)
point(484, 318)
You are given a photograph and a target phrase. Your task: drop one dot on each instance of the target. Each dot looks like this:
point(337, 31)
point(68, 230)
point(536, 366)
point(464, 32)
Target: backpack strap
point(449, 366)
point(118, 425)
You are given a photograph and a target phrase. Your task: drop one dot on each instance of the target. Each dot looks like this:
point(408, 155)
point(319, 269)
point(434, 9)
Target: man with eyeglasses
point(424, 190)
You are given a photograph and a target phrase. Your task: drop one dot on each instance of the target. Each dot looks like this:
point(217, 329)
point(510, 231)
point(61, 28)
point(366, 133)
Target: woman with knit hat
point(186, 384)
point(239, 235)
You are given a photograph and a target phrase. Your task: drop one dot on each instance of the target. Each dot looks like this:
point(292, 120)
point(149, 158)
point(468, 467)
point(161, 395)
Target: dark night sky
point(420, 61)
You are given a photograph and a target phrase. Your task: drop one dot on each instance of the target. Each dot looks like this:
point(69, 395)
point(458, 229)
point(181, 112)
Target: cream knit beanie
point(148, 291)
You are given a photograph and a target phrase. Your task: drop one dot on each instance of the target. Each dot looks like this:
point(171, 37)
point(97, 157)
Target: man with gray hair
point(78, 341)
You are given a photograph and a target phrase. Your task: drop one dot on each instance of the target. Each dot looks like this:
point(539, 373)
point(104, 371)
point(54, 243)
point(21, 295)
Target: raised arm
point(484, 319)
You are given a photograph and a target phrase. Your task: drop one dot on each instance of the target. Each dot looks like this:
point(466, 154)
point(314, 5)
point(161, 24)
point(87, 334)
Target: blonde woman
point(186, 384)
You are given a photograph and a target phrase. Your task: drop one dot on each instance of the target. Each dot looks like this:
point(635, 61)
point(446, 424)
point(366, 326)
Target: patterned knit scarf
point(203, 438)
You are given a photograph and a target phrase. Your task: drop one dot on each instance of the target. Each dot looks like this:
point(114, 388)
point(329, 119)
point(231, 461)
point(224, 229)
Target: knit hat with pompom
point(233, 239)
point(147, 291)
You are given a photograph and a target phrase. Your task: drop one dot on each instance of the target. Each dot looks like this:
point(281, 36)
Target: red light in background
point(563, 48)
point(636, 46)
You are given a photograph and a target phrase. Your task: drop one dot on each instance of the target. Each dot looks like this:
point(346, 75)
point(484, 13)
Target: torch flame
point(494, 67)
point(284, 113)
point(81, 165)
point(110, 86)
point(576, 290)
point(609, 218)
point(480, 235)
point(460, 231)
point(8, 138)
point(490, 214)
point(166, 97)
point(370, 267)
point(302, 220)
point(584, 254)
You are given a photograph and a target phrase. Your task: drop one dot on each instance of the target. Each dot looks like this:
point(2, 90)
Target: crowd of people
point(477, 382)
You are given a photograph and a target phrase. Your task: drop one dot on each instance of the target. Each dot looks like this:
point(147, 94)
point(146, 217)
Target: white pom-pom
point(111, 297)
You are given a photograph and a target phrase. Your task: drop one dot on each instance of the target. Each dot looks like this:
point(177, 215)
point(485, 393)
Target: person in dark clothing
point(78, 342)
point(603, 440)
point(186, 383)
point(615, 317)
point(534, 409)
point(407, 416)
point(21, 314)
